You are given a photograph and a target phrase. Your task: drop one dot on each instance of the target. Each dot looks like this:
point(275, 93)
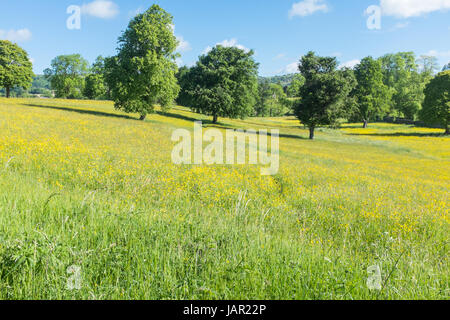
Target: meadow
point(84, 185)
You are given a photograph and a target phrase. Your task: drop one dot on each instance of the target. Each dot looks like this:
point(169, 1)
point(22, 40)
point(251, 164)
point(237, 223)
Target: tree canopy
point(143, 72)
point(293, 90)
point(67, 74)
point(436, 107)
point(272, 100)
point(16, 69)
point(223, 83)
point(95, 87)
point(400, 72)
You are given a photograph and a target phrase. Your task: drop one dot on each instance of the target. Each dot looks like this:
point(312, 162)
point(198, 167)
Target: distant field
point(82, 184)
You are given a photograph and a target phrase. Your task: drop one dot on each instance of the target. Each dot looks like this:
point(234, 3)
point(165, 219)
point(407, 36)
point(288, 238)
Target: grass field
point(84, 185)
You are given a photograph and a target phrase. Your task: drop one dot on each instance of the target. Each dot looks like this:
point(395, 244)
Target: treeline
point(224, 82)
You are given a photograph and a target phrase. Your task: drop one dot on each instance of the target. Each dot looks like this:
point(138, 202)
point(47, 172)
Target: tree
point(16, 69)
point(184, 81)
point(372, 95)
point(67, 74)
point(324, 93)
point(263, 98)
point(436, 107)
point(143, 72)
point(272, 100)
point(95, 87)
point(224, 83)
point(293, 90)
point(400, 72)
point(429, 65)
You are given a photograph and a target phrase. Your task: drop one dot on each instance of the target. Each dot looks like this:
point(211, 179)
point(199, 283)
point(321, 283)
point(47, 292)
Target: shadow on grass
point(206, 123)
point(400, 134)
point(180, 117)
point(82, 111)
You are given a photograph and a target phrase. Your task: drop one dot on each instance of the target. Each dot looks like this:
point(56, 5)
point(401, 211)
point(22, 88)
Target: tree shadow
point(180, 117)
point(400, 134)
point(82, 111)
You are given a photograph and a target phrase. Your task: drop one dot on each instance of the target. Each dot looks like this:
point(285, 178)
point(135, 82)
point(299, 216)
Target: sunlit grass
point(83, 184)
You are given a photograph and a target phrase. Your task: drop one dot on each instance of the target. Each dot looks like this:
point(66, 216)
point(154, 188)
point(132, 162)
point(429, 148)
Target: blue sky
point(279, 31)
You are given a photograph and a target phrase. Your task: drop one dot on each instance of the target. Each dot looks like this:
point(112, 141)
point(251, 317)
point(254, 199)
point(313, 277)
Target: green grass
point(82, 184)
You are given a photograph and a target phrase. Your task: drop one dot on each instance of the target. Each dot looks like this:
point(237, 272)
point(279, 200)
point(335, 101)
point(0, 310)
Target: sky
point(279, 31)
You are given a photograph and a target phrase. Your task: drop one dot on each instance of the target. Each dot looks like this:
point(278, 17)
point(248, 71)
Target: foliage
point(371, 94)
point(293, 90)
point(400, 72)
point(16, 69)
point(95, 87)
point(67, 74)
point(436, 107)
point(184, 81)
point(143, 72)
point(223, 83)
point(324, 93)
point(272, 101)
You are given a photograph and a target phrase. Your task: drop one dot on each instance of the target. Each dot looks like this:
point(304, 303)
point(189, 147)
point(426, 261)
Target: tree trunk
point(215, 118)
point(143, 116)
point(311, 133)
point(8, 89)
point(447, 130)
point(366, 123)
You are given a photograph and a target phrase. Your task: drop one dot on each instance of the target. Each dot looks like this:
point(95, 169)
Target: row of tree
point(224, 81)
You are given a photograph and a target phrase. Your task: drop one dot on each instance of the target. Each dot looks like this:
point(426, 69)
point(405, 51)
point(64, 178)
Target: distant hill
point(284, 80)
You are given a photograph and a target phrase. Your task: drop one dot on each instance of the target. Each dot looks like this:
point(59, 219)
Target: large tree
point(16, 69)
point(323, 96)
point(143, 72)
point(371, 94)
point(67, 74)
point(436, 107)
point(224, 83)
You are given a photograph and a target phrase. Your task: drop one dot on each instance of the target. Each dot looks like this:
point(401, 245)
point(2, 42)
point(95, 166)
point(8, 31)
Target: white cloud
point(183, 45)
point(350, 64)
point(412, 8)
point(307, 7)
point(101, 9)
point(438, 54)
point(16, 35)
point(228, 44)
point(291, 68)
